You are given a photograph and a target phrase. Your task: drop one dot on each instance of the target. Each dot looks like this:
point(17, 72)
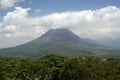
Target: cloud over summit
point(95, 24)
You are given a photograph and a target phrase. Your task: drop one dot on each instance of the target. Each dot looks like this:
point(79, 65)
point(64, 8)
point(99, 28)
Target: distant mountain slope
point(58, 41)
point(111, 42)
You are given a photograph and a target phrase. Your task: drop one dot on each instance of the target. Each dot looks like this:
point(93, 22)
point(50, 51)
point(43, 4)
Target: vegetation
point(55, 67)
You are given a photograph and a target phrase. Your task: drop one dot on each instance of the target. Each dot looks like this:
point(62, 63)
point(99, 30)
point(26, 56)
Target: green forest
point(57, 67)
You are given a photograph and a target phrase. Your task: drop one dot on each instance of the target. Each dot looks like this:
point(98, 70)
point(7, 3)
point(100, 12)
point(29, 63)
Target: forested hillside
point(55, 67)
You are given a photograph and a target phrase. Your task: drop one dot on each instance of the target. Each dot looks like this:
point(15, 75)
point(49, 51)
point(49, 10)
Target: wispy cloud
point(37, 11)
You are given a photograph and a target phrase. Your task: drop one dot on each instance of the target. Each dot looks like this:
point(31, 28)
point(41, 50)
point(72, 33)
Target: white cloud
point(94, 24)
point(4, 4)
point(9, 28)
point(100, 23)
point(18, 16)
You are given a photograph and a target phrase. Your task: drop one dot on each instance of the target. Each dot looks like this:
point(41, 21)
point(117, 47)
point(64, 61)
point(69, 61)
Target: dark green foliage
point(55, 67)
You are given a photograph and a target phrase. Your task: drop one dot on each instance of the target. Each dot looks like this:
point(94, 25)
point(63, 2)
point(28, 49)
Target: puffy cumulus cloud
point(4, 4)
point(8, 30)
point(95, 24)
point(19, 15)
point(19, 24)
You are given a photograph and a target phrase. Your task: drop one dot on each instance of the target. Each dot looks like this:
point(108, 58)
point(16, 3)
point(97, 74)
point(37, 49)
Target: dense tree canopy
point(55, 67)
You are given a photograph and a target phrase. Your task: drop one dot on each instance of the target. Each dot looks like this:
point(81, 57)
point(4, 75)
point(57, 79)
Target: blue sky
point(51, 6)
point(24, 20)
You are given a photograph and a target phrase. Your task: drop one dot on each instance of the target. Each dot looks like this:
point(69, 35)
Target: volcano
point(54, 41)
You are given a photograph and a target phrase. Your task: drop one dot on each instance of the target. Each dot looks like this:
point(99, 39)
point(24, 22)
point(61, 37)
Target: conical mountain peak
point(59, 31)
point(61, 34)
point(53, 41)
